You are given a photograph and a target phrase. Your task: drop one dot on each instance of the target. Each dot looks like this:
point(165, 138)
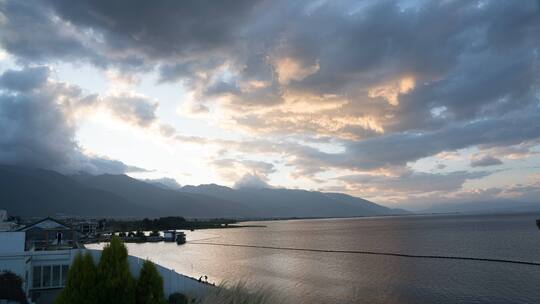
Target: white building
point(6, 225)
point(41, 254)
point(3, 216)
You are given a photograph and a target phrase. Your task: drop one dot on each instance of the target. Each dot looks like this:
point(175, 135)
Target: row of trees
point(111, 282)
point(167, 223)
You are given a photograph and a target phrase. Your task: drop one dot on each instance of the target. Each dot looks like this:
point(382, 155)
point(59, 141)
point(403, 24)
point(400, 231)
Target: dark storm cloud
point(159, 28)
point(34, 129)
point(128, 34)
point(486, 161)
point(38, 130)
point(25, 80)
point(30, 32)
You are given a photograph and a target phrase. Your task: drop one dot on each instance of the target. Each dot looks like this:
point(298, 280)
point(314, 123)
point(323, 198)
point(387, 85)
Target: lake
point(348, 277)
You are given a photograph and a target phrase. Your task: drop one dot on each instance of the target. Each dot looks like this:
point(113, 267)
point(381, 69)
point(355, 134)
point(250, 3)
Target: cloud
point(38, 129)
point(234, 170)
point(100, 165)
point(485, 161)
point(251, 181)
point(168, 182)
point(409, 182)
point(136, 109)
point(386, 84)
point(26, 80)
point(400, 148)
point(165, 29)
point(288, 69)
point(260, 62)
point(512, 193)
point(117, 34)
point(31, 32)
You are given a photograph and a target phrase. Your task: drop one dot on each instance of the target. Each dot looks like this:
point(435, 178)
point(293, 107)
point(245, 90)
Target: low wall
point(172, 281)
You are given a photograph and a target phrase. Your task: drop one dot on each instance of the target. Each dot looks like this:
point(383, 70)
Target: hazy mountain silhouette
point(165, 201)
point(38, 192)
point(294, 203)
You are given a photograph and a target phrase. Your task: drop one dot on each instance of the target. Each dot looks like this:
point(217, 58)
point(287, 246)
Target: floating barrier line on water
point(377, 253)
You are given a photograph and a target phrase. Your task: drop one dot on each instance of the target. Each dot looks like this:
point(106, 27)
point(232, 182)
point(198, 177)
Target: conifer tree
point(116, 285)
point(149, 288)
point(81, 282)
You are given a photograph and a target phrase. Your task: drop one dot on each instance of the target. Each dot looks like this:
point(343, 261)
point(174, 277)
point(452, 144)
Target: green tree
point(81, 282)
point(149, 288)
point(115, 284)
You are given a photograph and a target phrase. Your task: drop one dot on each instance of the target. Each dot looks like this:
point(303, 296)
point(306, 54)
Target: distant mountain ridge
point(294, 203)
point(38, 192)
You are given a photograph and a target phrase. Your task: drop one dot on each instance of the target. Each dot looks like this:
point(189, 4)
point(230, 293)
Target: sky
point(405, 103)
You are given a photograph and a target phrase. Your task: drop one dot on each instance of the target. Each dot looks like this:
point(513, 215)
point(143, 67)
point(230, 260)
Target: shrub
point(178, 298)
point(115, 283)
point(81, 282)
point(111, 281)
point(11, 288)
point(149, 289)
point(240, 294)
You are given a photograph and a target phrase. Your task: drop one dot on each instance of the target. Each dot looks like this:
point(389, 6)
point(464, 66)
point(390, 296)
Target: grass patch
point(240, 294)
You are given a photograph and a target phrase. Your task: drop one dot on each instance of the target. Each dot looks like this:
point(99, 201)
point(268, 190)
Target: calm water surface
point(320, 277)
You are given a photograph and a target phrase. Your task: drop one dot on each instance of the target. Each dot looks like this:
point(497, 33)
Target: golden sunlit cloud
point(253, 85)
point(290, 69)
point(391, 91)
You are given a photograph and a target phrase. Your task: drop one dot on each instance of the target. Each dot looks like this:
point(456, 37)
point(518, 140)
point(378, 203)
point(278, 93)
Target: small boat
point(169, 236)
point(180, 238)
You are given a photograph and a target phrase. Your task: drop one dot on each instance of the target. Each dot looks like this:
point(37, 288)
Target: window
point(46, 276)
point(49, 276)
point(56, 275)
point(36, 277)
point(64, 274)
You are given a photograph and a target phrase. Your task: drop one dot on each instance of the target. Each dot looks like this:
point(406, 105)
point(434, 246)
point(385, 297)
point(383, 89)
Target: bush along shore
point(168, 223)
point(110, 281)
point(148, 230)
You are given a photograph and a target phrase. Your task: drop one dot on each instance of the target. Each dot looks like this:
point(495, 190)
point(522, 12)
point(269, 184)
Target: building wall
point(15, 263)
point(21, 263)
point(11, 242)
point(12, 256)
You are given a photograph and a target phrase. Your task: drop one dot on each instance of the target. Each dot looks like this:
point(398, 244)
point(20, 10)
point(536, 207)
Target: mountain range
point(39, 192)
